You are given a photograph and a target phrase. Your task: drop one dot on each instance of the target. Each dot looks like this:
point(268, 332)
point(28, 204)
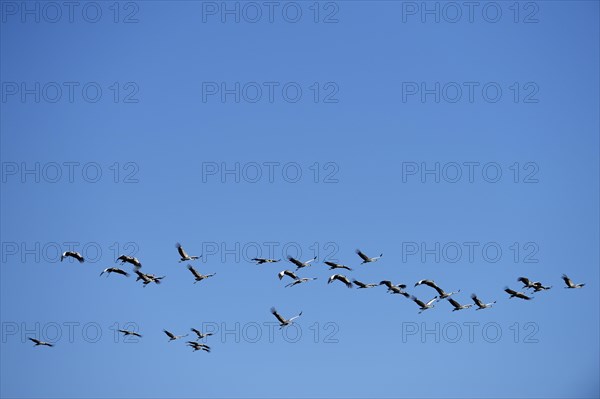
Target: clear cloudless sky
point(160, 134)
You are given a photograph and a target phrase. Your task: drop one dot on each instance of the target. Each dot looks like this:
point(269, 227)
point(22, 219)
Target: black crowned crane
point(570, 284)
point(360, 285)
point(367, 259)
point(173, 337)
point(198, 276)
point(458, 306)
point(130, 259)
point(184, 256)
point(284, 322)
point(300, 265)
point(300, 281)
point(288, 273)
point(341, 278)
point(110, 270)
point(37, 342)
point(441, 292)
point(333, 265)
point(200, 335)
point(74, 255)
point(260, 261)
point(481, 305)
point(516, 294)
point(198, 346)
point(395, 289)
point(422, 305)
point(127, 332)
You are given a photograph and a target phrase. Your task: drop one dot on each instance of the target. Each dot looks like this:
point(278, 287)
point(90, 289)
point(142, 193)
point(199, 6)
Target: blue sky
point(152, 129)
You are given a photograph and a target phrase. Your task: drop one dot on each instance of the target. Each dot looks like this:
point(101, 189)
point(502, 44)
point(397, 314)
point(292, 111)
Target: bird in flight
point(184, 256)
point(148, 278)
point(110, 270)
point(198, 276)
point(38, 342)
point(341, 278)
point(537, 286)
point(200, 334)
point(526, 282)
point(300, 281)
point(74, 255)
point(366, 259)
point(129, 259)
point(260, 261)
point(288, 273)
point(395, 289)
point(283, 322)
point(458, 306)
point(127, 332)
point(173, 337)
point(481, 305)
point(432, 284)
point(300, 265)
point(333, 265)
point(363, 285)
point(422, 305)
point(570, 284)
point(516, 294)
point(198, 346)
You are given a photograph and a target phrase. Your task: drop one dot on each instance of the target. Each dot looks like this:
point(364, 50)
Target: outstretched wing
point(524, 280)
point(278, 316)
point(194, 271)
point(511, 292)
point(361, 285)
point(295, 261)
point(477, 301)
point(181, 251)
point(567, 280)
point(362, 255)
point(291, 274)
point(523, 296)
point(454, 303)
point(418, 301)
point(169, 334)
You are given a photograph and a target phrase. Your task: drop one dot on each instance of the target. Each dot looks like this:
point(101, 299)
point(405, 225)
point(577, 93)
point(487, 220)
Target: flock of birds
point(146, 279)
